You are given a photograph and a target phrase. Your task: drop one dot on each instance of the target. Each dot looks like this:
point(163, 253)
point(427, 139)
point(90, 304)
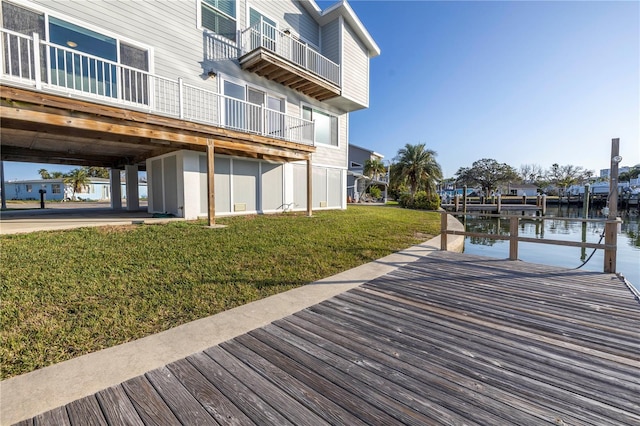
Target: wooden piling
point(443, 231)
point(513, 238)
point(610, 241)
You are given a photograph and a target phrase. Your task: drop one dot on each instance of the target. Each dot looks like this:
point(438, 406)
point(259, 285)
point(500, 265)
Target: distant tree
point(44, 174)
point(78, 179)
point(488, 174)
point(374, 168)
point(633, 173)
point(531, 173)
point(97, 172)
point(57, 175)
point(416, 167)
point(564, 176)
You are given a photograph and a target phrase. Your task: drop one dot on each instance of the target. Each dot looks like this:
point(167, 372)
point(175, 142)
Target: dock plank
point(185, 407)
point(211, 398)
point(117, 407)
point(252, 404)
point(57, 416)
point(86, 412)
point(149, 405)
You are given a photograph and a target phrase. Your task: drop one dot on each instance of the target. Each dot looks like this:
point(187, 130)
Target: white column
point(131, 182)
point(116, 192)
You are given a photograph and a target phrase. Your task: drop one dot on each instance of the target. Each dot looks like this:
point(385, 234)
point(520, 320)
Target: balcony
point(47, 67)
point(279, 57)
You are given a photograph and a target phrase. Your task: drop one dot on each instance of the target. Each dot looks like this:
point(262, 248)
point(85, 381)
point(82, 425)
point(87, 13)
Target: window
point(29, 188)
point(326, 126)
point(79, 59)
point(251, 109)
point(55, 188)
point(219, 16)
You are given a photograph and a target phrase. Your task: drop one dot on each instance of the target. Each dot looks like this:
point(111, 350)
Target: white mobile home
point(231, 106)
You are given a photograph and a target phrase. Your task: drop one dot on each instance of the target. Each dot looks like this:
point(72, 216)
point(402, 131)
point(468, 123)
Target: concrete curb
point(30, 394)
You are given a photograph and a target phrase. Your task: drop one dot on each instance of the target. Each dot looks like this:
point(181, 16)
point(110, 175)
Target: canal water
point(628, 256)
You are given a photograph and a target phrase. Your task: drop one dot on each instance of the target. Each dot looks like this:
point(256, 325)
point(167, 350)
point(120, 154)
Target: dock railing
point(609, 246)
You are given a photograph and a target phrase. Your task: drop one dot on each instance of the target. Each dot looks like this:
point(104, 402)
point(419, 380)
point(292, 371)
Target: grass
point(68, 293)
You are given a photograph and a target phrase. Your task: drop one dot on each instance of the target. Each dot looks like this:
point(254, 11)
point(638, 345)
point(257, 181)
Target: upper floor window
point(29, 188)
point(219, 16)
point(326, 126)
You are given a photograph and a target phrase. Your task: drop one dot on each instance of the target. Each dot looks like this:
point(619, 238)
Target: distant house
point(520, 189)
point(56, 190)
point(357, 182)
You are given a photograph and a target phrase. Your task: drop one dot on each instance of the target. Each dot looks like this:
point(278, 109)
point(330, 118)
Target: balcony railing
point(27, 60)
point(265, 35)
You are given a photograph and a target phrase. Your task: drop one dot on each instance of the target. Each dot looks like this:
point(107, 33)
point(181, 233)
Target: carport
point(48, 128)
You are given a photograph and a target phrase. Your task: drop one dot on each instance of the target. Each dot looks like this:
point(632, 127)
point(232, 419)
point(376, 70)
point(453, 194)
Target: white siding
point(331, 41)
point(289, 15)
point(331, 155)
point(355, 72)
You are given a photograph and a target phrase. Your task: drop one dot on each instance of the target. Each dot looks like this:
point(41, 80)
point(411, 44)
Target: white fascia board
point(342, 8)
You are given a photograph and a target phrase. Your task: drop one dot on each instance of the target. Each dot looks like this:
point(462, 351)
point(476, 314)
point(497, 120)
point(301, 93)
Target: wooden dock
point(448, 339)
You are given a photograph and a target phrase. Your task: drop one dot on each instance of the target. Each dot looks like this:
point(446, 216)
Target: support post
point(211, 196)
point(464, 199)
point(37, 75)
point(2, 188)
point(544, 204)
point(309, 187)
point(499, 198)
point(513, 238)
point(456, 201)
point(443, 230)
point(613, 178)
point(585, 203)
point(610, 242)
point(116, 189)
point(131, 187)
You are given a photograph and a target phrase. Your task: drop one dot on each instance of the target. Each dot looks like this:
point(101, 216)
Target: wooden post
point(464, 199)
point(544, 204)
point(456, 201)
point(309, 187)
point(524, 199)
point(610, 241)
point(211, 183)
point(513, 238)
point(585, 203)
point(499, 198)
point(613, 178)
point(443, 231)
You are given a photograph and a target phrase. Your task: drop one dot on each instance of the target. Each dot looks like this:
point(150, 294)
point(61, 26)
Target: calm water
point(628, 258)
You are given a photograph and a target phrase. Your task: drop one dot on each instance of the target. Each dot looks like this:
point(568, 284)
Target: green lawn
point(68, 293)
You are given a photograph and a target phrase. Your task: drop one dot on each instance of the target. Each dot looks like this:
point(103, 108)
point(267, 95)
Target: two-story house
point(357, 181)
point(231, 106)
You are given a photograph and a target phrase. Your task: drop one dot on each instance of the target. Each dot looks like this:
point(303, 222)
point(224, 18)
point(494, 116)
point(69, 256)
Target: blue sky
point(519, 82)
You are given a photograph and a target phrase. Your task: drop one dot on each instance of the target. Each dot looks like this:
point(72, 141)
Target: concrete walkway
point(68, 216)
point(33, 393)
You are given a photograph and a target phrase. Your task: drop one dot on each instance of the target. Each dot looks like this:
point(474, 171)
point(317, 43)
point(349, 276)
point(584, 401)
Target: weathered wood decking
point(448, 339)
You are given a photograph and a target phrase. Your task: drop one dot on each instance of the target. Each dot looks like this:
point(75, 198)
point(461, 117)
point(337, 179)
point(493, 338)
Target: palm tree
point(44, 174)
point(416, 167)
point(373, 168)
point(78, 179)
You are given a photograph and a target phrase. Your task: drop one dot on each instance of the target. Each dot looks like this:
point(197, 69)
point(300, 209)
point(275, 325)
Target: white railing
point(265, 35)
point(49, 67)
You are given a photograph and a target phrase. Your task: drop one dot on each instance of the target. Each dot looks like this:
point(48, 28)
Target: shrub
point(375, 192)
point(421, 201)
